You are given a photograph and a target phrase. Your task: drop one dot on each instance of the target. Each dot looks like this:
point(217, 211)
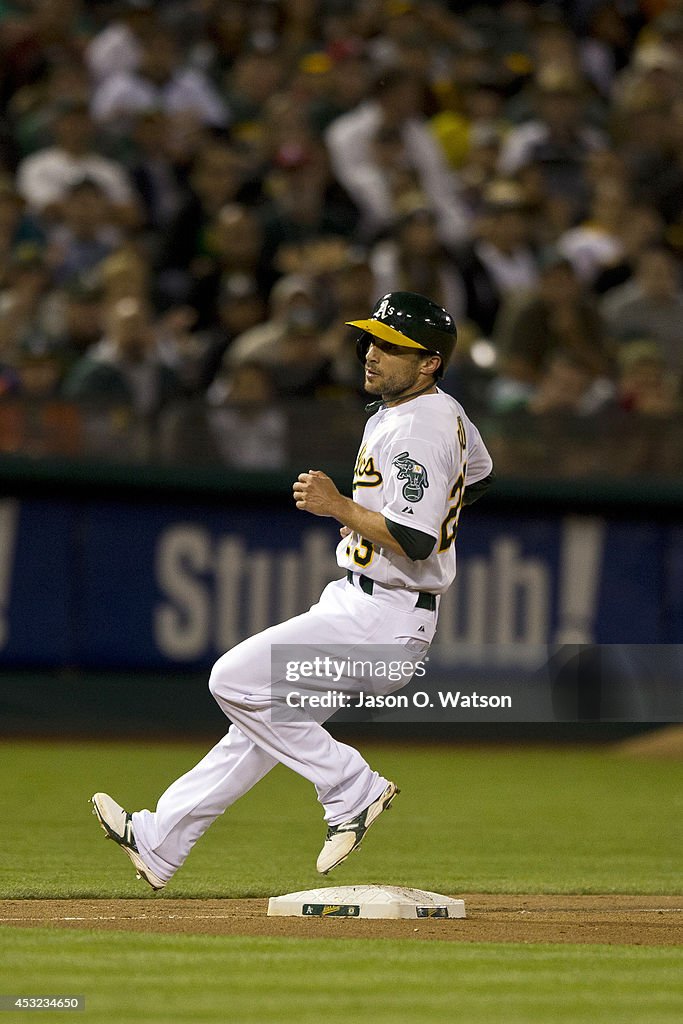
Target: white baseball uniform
point(415, 461)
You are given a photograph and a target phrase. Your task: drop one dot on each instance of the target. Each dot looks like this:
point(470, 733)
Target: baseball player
point(420, 460)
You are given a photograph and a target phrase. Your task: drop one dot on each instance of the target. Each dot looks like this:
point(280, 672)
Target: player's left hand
point(317, 493)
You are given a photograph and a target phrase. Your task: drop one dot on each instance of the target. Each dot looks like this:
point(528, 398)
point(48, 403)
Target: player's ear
point(430, 364)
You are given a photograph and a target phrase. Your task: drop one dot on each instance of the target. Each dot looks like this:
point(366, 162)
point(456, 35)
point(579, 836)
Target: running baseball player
point(420, 460)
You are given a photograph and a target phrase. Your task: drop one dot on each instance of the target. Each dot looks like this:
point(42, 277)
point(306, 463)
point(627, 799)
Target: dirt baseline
point(608, 919)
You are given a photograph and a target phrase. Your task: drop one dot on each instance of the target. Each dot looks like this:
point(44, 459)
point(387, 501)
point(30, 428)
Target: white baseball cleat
point(341, 840)
point(118, 825)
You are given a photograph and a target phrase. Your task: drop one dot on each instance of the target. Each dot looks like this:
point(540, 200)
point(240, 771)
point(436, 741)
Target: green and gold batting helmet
point(410, 321)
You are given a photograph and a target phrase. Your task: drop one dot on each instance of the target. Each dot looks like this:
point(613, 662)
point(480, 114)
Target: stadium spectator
point(558, 316)
point(348, 83)
point(74, 318)
point(499, 262)
point(44, 177)
point(84, 235)
point(33, 419)
point(645, 384)
point(300, 366)
point(469, 119)
point(552, 45)
point(603, 44)
point(548, 214)
point(37, 35)
point(661, 181)
point(289, 343)
point(568, 386)
point(650, 305)
point(160, 81)
point(253, 78)
point(304, 203)
point(558, 140)
point(23, 300)
point(395, 30)
point(31, 110)
point(349, 284)
point(126, 272)
point(117, 48)
point(214, 181)
point(643, 228)
point(653, 71)
point(240, 307)
point(644, 135)
point(414, 259)
point(155, 174)
point(237, 424)
point(16, 226)
point(596, 243)
point(393, 115)
point(286, 127)
point(40, 370)
point(125, 367)
point(291, 300)
point(234, 246)
point(479, 165)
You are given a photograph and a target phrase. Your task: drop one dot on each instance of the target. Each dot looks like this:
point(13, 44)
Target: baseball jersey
point(414, 463)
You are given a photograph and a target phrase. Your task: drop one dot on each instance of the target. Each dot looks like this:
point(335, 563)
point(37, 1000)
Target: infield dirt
point(608, 919)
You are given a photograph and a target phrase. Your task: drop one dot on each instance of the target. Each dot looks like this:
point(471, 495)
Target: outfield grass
point(472, 820)
point(162, 979)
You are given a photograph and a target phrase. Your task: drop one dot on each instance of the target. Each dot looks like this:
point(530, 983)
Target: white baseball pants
point(241, 682)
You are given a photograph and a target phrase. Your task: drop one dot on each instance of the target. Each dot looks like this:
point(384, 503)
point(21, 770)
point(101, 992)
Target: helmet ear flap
point(362, 345)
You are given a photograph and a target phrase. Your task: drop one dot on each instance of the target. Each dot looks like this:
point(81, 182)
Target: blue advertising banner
point(121, 585)
point(38, 565)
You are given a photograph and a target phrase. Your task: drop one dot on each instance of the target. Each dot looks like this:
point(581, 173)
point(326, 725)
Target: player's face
point(391, 370)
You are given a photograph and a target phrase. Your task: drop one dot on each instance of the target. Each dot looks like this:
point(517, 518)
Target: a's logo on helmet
point(415, 475)
point(383, 310)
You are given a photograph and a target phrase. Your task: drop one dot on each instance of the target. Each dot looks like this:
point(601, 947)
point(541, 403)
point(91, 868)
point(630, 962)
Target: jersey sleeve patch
point(414, 476)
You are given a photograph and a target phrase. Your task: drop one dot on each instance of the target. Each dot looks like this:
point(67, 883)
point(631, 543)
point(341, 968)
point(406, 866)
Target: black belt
point(424, 598)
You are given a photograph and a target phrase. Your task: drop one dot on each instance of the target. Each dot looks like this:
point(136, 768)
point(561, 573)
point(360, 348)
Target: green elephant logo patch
point(414, 474)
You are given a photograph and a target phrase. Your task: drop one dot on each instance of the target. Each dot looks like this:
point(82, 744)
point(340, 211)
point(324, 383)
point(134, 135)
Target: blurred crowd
point(195, 195)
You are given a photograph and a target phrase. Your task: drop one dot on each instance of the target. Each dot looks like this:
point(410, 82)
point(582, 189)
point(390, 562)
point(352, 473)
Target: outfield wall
point(143, 569)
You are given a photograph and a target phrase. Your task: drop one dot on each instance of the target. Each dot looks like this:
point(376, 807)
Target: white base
point(370, 901)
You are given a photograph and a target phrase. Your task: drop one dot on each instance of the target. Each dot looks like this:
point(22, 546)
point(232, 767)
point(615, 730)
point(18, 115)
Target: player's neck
point(390, 400)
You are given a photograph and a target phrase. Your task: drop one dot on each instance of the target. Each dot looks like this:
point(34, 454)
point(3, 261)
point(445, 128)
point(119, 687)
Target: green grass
point(496, 820)
point(163, 979)
point(487, 820)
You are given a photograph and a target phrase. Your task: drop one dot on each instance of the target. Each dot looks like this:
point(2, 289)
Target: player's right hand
point(344, 531)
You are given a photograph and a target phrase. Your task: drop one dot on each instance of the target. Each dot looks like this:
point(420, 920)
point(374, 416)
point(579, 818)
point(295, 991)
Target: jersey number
point(363, 552)
point(449, 527)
